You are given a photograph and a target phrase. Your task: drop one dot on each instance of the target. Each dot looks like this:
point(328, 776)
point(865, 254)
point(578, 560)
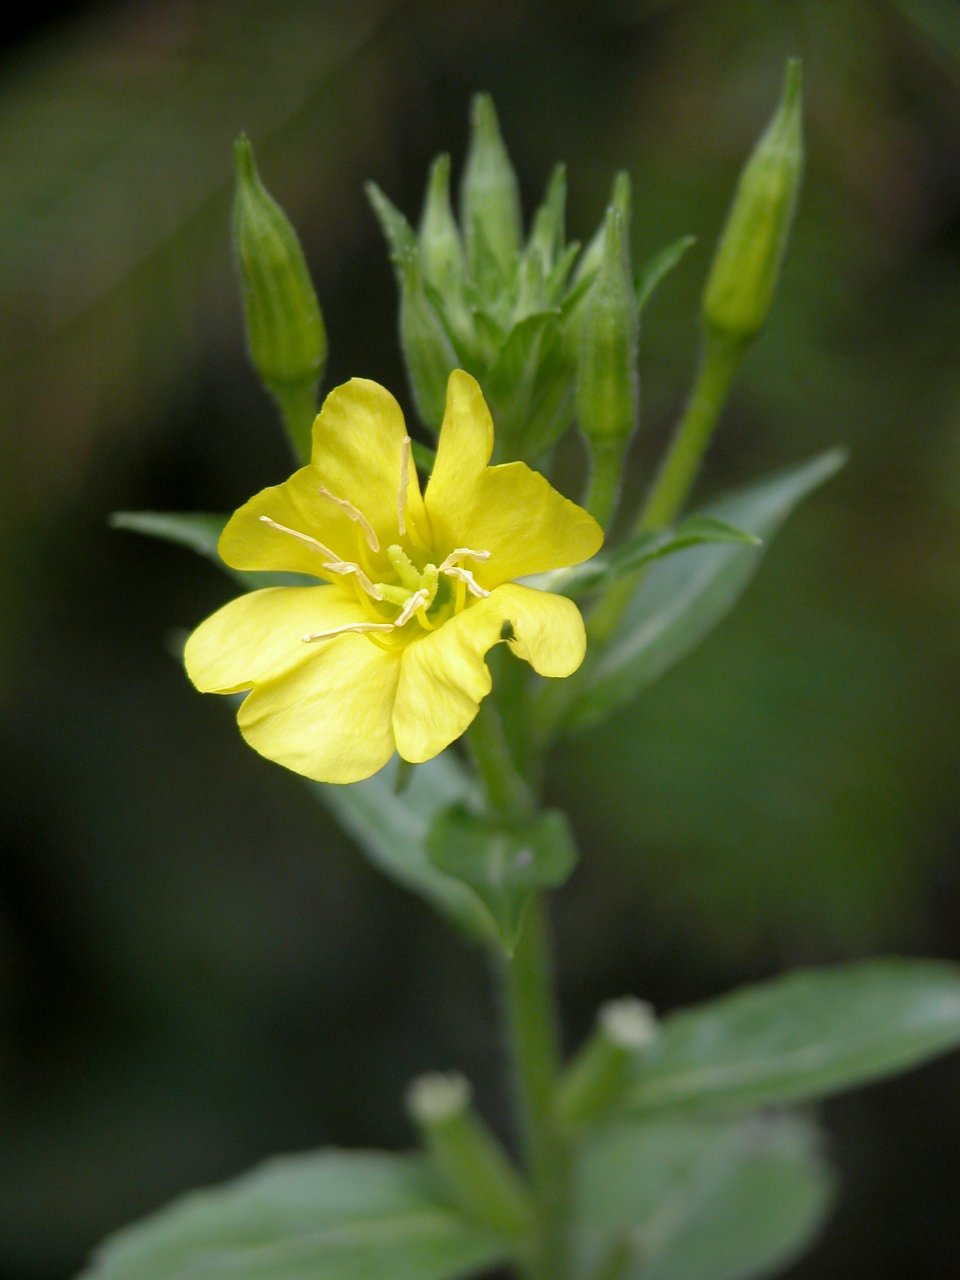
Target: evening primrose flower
point(388, 654)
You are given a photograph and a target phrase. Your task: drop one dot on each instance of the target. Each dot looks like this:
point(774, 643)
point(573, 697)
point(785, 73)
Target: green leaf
point(681, 599)
point(392, 829)
point(504, 863)
point(330, 1215)
point(643, 548)
point(806, 1035)
point(677, 1200)
point(661, 264)
point(200, 532)
point(197, 530)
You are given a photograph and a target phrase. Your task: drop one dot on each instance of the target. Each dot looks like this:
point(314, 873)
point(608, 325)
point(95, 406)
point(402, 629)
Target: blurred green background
point(196, 968)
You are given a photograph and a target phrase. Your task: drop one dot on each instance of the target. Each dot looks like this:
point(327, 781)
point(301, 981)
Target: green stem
point(531, 1016)
point(507, 792)
point(532, 1021)
point(679, 468)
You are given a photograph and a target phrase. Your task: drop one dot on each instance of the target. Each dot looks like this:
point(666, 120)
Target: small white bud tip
point(438, 1096)
point(628, 1023)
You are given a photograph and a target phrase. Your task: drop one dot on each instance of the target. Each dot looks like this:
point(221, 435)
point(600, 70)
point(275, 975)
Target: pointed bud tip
point(483, 115)
point(440, 171)
point(244, 163)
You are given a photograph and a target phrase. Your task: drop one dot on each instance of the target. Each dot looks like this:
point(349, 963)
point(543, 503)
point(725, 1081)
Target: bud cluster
point(547, 331)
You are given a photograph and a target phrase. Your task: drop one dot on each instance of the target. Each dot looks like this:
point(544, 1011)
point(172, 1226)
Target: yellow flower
point(389, 654)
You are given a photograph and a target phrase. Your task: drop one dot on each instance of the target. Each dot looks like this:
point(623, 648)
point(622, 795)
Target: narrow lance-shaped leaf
point(392, 829)
point(331, 1215)
point(807, 1035)
point(642, 549)
point(682, 598)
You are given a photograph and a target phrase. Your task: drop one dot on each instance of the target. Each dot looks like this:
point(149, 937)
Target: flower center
point(425, 594)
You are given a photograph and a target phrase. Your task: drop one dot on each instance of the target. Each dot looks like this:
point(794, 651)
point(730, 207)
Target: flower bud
point(747, 261)
point(490, 196)
point(595, 1078)
point(464, 1151)
point(441, 252)
point(608, 389)
point(285, 329)
point(427, 349)
point(547, 234)
point(621, 199)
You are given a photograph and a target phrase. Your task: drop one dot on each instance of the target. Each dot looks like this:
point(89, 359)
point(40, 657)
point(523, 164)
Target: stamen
point(345, 567)
point(462, 553)
point(465, 576)
point(416, 601)
point(405, 452)
point(358, 627)
point(355, 514)
point(304, 537)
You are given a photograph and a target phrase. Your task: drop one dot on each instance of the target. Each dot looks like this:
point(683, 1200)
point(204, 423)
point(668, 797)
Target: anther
point(355, 514)
point(358, 627)
point(304, 537)
point(462, 553)
point(416, 601)
point(346, 567)
point(466, 577)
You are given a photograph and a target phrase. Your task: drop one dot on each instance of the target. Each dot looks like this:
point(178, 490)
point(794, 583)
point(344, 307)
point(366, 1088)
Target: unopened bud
point(467, 1155)
point(427, 349)
point(595, 1079)
point(746, 265)
point(285, 329)
point(490, 196)
point(621, 199)
point(547, 234)
point(608, 389)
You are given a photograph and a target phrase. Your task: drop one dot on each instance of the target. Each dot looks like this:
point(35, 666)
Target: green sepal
point(653, 271)
point(547, 234)
point(503, 862)
point(397, 232)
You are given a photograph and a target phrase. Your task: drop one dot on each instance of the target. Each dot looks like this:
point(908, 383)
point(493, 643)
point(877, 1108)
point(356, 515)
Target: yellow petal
point(463, 451)
point(329, 718)
point(444, 675)
point(525, 524)
point(548, 629)
point(298, 504)
point(358, 450)
point(260, 635)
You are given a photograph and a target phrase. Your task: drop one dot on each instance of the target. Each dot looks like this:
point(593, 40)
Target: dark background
point(196, 968)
